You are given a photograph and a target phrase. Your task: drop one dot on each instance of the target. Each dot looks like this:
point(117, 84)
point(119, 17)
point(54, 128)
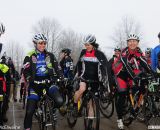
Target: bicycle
point(106, 101)
point(45, 112)
point(136, 101)
point(24, 95)
point(89, 97)
point(151, 109)
point(66, 91)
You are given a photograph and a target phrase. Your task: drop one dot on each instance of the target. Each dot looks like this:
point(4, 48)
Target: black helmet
point(159, 35)
point(66, 50)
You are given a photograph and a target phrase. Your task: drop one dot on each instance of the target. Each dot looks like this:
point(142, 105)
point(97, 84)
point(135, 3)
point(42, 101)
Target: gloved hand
point(50, 72)
point(136, 79)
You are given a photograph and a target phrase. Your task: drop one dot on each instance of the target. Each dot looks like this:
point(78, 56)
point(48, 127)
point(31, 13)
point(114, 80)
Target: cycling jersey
point(41, 67)
point(67, 67)
point(89, 66)
point(96, 58)
point(128, 65)
point(154, 57)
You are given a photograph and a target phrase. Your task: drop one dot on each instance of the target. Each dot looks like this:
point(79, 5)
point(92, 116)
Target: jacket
point(30, 61)
point(154, 57)
point(103, 68)
point(131, 62)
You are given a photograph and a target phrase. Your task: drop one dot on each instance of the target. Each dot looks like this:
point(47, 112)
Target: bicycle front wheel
point(92, 114)
point(71, 119)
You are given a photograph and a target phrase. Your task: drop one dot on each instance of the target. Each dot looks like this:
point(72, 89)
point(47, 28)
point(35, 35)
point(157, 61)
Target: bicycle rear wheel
point(92, 122)
point(151, 109)
point(106, 106)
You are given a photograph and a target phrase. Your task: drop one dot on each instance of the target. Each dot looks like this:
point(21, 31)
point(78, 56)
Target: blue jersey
point(154, 57)
point(67, 67)
point(41, 67)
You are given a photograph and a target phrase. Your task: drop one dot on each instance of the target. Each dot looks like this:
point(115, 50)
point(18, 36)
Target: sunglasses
point(42, 43)
point(87, 44)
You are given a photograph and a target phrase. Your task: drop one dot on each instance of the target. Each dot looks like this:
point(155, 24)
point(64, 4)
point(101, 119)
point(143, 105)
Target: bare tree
point(16, 52)
point(51, 29)
point(127, 26)
point(73, 41)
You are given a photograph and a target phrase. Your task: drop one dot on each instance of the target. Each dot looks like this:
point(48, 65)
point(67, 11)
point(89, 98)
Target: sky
point(98, 17)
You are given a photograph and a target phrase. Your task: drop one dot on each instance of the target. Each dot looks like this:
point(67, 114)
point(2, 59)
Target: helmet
point(66, 50)
point(89, 39)
point(39, 38)
point(148, 50)
point(133, 37)
point(117, 48)
point(2, 28)
point(159, 35)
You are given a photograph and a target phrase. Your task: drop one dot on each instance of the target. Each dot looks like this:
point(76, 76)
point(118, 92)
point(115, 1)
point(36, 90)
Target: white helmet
point(89, 39)
point(133, 37)
point(39, 38)
point(2, 28)
point(117, 48)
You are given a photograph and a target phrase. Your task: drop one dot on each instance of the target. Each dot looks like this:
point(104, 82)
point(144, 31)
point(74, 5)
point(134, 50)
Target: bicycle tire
point(71, 119)
point(149, 111)
point(96, 114)
point(107, 107)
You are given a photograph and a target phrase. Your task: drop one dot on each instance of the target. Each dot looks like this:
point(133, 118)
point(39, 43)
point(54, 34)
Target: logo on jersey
point(90, 59)
point(34, 59)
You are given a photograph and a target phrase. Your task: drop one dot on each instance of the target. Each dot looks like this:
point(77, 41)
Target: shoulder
point(50, 54)
point(124, 51)
point(157, 48)
point(30, 53)
point(100, 53)
point(68, 58)
point(82, 52)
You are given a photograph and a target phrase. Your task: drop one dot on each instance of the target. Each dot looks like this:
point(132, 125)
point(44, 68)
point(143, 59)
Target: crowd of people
point(124, 68)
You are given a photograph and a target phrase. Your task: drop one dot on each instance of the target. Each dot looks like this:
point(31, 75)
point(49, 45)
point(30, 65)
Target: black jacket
point(105, 73)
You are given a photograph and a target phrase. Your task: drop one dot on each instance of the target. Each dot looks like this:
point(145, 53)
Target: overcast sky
point(98, 17)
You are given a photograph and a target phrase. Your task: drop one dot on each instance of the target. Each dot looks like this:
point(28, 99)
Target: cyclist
point(127, 68)
point(117, 51)
point(13, 88)
point(92, 65)
point(148, 55)
point(3, 70)
point(40, 65)
point(66, 63)
point(22, 85)
point(155, 54)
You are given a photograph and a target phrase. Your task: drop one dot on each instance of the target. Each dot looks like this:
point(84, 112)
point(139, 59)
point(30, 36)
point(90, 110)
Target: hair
point(95, 45)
